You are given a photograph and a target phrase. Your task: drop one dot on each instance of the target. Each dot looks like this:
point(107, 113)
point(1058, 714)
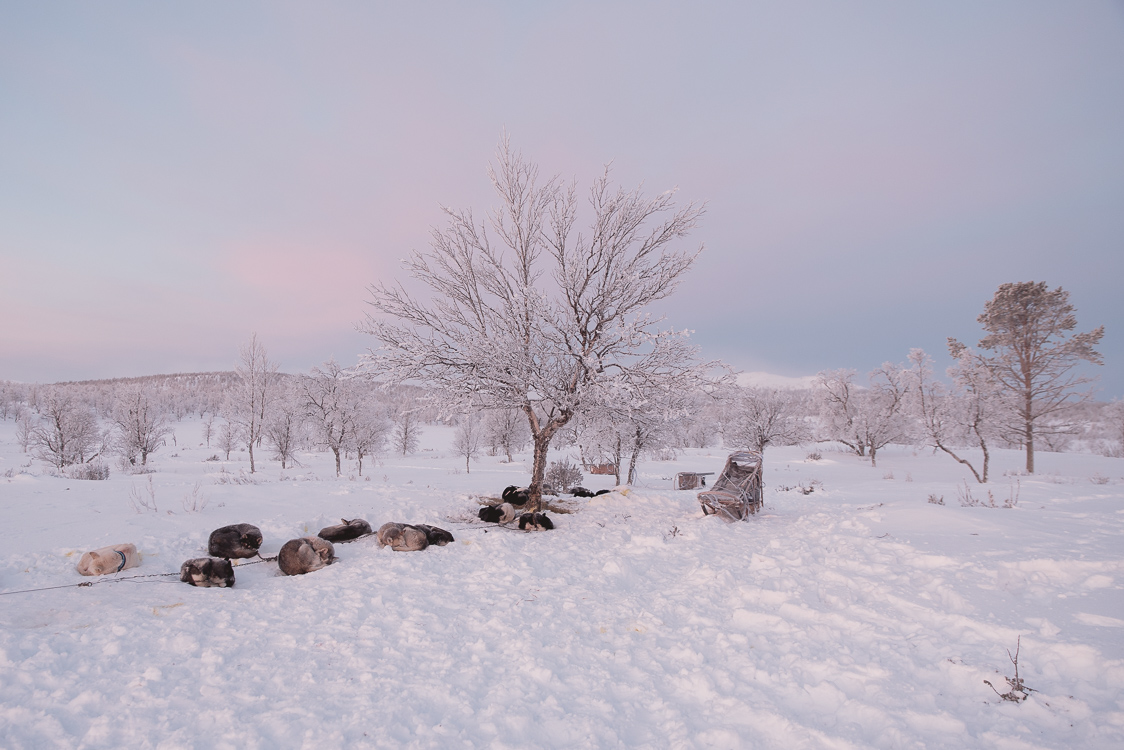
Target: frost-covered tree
point(332, 402)
point(864, 419)
point(505, 431)
point(228, 438)
point(1034, 354)
point(964, 415)
point(529, 313)
point(67, 431)
point(370, 430)
point(139, 423)
point(406, 433)
point(766, 416)
point(247, 405)
point(285, 427)
point(467, 439)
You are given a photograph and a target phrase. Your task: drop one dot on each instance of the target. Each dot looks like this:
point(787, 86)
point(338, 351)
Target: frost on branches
point(529, 313)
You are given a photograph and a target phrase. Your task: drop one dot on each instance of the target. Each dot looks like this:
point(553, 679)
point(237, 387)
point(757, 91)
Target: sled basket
point(737, 493)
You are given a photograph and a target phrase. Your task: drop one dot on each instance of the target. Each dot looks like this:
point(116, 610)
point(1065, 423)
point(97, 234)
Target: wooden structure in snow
point(738, 491)
point(691, 480)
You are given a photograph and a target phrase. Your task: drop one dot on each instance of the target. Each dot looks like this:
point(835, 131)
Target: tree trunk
point(1029, 447)
point(637, 445)
point(538, 471)
point(337, 452)
point(251, 448)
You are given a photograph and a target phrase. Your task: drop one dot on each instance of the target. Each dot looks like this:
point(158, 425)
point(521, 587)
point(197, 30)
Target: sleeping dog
point(402, 537)
point(113, 559)
point(517, 496)
point(535, 522)
point(239, 540)
point(345, 532)
point(304, 555)
point(206, 572)
point(503, 513)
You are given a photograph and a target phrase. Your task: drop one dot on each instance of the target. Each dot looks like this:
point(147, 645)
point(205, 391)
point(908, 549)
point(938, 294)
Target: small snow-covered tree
point(368, 436)
point(966, 414)
point(248, 403)
point(67, 431)
point(529, 313)
point(864, 419)
point(284, 429)
point(332, 401)
point(208, 428)
point(467, 439)
point(1029, 330)
point(406, 432)
point(766, 416)
point(228, 438)
point(139, 423)
point(506, 431)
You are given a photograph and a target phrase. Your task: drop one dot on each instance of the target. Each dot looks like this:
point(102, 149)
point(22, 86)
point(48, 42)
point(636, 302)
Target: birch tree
point(331, 402)
point(966, 414)
point(766, 416)
point(139, 422)
point(248, 402)
point(67, 430)
point(526, 311)
point(1034, 355)
point(865, 419)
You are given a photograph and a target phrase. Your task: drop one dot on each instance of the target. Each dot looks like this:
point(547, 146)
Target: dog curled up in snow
point(208, 572)
point(503, 513)
point(402, 537)
point(345, 532)
point(100, 562)
point(304, 555)
point(517, 496)
point(239, 540)
point(580, 492)
point(436, 537)
point(535, 522)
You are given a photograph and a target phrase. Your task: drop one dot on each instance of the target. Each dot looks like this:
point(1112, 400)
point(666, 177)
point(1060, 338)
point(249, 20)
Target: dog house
point(738, 491)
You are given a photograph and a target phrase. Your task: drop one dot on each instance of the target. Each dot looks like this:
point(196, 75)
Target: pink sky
point(174, 178)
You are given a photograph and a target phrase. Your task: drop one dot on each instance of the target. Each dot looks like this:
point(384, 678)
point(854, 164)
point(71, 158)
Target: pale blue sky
point(175, 176)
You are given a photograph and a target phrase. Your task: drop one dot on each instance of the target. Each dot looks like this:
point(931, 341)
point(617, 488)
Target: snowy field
point(859, 615)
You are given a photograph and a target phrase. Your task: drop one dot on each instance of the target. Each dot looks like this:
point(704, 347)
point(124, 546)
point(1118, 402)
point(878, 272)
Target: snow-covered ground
point(859, 615)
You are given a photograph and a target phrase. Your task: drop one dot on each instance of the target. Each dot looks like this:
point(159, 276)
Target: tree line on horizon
point(537, 333)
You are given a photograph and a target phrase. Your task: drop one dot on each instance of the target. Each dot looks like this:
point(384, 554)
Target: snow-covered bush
point(562, 475)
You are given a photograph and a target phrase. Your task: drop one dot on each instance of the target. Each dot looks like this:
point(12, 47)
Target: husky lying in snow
point(404, 537)
point(239, 540)
point(207, 572)
point(535, 522)
point(503, 513)
point(345, 532)
point(113, 559)
point(517, 496)
point(436, 537)
point(304, 555)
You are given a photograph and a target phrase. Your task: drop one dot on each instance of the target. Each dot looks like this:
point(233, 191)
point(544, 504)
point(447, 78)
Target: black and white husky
point(208, 572)
point(535, 522)
point(502, 513)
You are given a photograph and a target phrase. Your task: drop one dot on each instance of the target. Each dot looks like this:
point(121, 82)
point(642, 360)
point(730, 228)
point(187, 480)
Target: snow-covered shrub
point(95, 470)
point(563, 475)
